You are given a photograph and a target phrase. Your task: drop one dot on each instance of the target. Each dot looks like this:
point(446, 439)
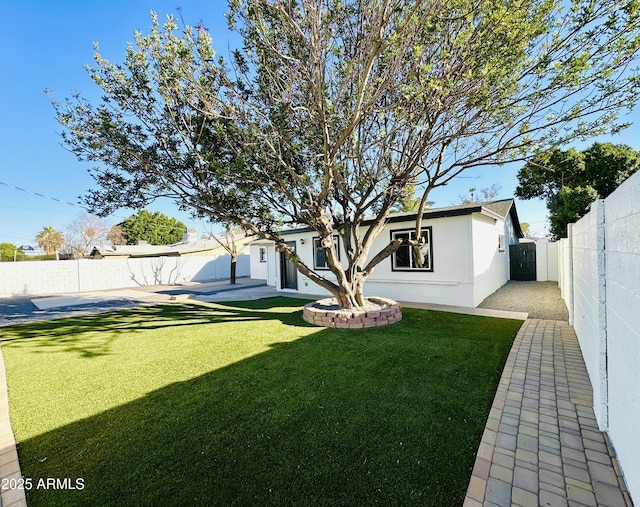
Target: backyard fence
point(599, 277)
point(59, 277)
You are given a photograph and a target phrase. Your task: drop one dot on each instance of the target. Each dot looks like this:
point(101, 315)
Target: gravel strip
point(540, 299)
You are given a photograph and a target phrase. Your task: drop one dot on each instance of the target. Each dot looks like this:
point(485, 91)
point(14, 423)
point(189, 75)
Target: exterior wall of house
point(599, 266)
point(258, 267)
point(490, 262)
point(451, 282)
point(304, 248)
point(58, 277)
point(272, 273)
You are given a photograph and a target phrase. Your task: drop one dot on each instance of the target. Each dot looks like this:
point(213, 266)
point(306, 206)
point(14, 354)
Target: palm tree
point(50, 240)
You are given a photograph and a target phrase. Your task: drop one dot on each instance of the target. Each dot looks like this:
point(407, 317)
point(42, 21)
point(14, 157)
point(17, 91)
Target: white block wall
point(565, 272)
point(622, 215)
point(59, 277)
point(599, 277)
point(546, 261)
point(589, 302)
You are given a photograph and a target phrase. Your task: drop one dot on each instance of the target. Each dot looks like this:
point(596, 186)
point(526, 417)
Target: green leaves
point(571, 180)
point(154, 228)
point(568, 206)
point(50, 240)
point(332, 108)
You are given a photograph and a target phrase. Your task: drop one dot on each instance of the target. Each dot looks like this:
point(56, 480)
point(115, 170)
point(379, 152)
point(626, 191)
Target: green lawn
point(246, 404)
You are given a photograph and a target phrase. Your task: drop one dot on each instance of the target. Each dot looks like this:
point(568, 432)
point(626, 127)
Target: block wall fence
point(59, 277)
point(599, 277)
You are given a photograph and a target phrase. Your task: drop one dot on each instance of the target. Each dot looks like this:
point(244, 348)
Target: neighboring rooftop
point(189, 247)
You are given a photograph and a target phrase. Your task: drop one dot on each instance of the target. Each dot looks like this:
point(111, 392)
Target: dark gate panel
point(522, 260)
point(288, 270)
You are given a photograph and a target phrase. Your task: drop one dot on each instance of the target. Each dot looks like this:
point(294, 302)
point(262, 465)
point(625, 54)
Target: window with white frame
point(501, 243)
point(410, 258)
point(320, 254)
point(263, 254)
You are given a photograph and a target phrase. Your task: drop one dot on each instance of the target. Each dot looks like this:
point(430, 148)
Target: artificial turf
point(246, 404)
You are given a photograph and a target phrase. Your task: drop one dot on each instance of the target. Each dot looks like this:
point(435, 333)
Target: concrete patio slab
point(242, 294)
point(84, 298)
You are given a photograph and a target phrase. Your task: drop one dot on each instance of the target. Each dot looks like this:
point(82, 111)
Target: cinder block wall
point(622, 218)
point(589, 299)
point(599, 266)
point(59, 277)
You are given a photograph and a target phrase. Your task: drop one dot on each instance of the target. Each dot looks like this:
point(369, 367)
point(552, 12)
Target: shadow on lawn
point(363, 417)
point(69, 334)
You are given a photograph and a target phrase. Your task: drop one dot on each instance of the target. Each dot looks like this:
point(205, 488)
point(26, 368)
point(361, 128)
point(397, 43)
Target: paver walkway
point(541, 445)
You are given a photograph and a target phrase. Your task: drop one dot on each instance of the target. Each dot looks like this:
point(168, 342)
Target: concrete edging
point(9, 464)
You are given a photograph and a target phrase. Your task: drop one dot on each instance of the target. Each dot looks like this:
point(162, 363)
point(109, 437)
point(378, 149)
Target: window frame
point(314, 240)
point(429, 230)
point(262, 254)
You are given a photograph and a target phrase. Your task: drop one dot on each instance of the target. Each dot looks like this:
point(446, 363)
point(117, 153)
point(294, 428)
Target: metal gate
point(522, 261)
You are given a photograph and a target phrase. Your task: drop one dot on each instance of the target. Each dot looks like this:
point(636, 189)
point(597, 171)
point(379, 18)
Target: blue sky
point(45, 45)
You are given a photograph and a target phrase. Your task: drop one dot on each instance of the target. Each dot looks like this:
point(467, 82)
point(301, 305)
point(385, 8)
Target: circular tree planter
point(376, 312)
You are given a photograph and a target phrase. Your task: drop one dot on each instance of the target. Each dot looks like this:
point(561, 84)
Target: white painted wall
point(589, 304)
point(272, 274)
point(456, 279)
point(490, 265)
point(547, 261)
point(552, 261)
point(542, 261)
point(599, 277)
point(565, 271)
point(622, 215)
point(451, 281)
point(258, 269)
point(59, 277)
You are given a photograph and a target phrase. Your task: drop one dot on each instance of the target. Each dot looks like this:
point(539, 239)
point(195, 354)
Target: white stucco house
point(466, 256)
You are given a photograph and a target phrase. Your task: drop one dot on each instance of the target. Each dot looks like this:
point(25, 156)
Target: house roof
point(175, 250)
point(493, 209)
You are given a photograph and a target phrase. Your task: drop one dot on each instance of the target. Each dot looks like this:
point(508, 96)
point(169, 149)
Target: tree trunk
point(234, 259)
point(349, 297)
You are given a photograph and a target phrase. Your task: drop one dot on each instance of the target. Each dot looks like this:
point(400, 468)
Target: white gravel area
point(541, 300)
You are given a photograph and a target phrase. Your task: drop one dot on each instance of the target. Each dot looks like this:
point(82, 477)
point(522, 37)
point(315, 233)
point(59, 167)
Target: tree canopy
point(116, 235)
point(154, 228)
point(50, 240)
point(331, 109)
point(9, 252)
point(83, 233)
point(482, 195)
point(570, 180)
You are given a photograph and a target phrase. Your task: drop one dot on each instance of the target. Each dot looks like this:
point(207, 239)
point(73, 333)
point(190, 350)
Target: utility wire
point(41, 195)
point(44, 196)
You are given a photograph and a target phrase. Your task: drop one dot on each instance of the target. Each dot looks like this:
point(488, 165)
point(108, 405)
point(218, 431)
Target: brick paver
point(541, 445)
